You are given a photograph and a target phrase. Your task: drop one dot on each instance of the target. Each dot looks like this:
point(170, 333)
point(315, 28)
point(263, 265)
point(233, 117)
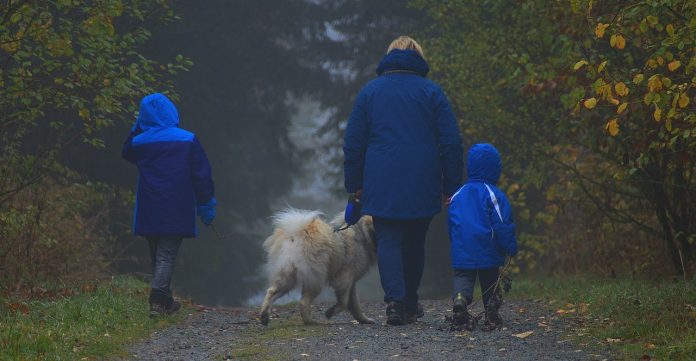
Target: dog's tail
point(286, 246)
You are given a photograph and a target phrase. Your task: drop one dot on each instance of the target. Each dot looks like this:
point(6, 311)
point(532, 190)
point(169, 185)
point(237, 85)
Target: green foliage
point(72, 323)
point(68, 71)
point(58, 229)
point(535, 80)
point(636, 317)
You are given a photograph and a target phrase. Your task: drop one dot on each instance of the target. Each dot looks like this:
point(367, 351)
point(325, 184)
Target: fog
point(268, 96)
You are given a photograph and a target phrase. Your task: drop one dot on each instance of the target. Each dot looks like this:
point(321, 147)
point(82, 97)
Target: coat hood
point(483, 164)
point(157, 111)
point(408, 60)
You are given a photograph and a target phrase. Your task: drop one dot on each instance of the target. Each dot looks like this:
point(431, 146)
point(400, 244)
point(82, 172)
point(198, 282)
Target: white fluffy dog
point(305, 251)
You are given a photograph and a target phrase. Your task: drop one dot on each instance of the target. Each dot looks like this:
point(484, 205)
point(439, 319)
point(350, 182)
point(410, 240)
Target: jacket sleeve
point(127, 151)
point(203, 186)
point(505, 231)
point(355, 145)
point(450, 144)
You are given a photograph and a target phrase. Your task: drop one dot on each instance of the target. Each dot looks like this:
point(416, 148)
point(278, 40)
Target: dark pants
point(163, 251)
point(465, 279)
point(401, 257)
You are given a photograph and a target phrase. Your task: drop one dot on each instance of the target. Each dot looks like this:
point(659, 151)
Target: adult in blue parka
point(174, 184)
point(402, 157)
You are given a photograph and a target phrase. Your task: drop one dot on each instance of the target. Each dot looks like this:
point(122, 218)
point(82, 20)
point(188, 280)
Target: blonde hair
point(405, 43)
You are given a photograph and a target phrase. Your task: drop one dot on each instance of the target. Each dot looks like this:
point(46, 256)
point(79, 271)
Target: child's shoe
point(460, 315)
point(493, 319)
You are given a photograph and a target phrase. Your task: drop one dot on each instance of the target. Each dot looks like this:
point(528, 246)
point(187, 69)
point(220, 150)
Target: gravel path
point(221, 334)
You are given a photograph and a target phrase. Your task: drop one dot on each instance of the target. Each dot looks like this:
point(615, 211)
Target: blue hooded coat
point(402, 146)
point(175, 174)
point(479, 239)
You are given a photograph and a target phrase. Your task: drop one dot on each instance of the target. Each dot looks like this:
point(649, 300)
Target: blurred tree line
point(592, 106)
point(70, 90)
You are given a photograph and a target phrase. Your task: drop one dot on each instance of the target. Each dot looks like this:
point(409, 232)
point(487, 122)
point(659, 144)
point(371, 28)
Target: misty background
point(268, 95)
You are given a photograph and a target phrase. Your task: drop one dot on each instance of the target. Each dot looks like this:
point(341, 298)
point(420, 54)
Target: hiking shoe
point(413, 315)
point(157, 309)
point(395, 314)
point(173, 307)
point(460, 315)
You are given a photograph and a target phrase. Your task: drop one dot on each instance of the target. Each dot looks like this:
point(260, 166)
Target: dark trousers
point(465, 280)
point(401, 257)
point(163, 251)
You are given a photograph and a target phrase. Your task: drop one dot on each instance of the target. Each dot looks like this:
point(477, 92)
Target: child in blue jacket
point(173, 185)
point(482, 232)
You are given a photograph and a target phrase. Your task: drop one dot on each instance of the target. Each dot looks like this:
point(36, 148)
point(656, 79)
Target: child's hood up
point(483, 164)
point(157, 111)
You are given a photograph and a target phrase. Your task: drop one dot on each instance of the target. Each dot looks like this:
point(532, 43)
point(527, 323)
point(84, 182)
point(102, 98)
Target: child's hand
point(207, 211)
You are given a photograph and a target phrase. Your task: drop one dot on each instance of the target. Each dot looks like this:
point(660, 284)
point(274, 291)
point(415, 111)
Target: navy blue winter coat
point(479, 239)
point(402, 146)
point(175, 174)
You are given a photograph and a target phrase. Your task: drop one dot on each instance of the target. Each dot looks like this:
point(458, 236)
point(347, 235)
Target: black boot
point(460, 315)
point(414, 314)
point(493, 319)
point(396, 314)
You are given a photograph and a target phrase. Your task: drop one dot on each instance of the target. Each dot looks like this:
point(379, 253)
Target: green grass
point(91, 323)
point(637, 317)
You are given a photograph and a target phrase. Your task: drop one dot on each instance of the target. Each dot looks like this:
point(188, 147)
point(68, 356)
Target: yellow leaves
point(565, 311)
point(683, 100)
point(590, 103)
point(638, 78)
point(617, 41)
point(601, 66)
point(612, 127)
point(523, 334)
point(670, 29)
point(580, 64)
point(654, 83)
point(621, 89)
point(674, 65)
point(599, 30)
point(83, 113)
point(621, 108)
point(657, 114)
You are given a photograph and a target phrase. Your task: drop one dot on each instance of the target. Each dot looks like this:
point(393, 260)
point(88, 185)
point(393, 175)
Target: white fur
point(304, 251)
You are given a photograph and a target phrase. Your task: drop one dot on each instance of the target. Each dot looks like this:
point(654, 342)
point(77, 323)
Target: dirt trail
point(221, 334)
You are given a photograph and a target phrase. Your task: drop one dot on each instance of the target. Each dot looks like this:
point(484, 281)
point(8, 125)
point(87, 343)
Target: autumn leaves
point(659, 50)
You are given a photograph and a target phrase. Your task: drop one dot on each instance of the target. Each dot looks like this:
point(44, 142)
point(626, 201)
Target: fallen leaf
point(657, 114)
point(613, 340)
point(523, 334)
point(645, 358)
point(650, 346)
point(683, 100)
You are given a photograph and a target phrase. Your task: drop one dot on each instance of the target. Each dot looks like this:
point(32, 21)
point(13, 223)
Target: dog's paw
point(367, 321)
point(264, 318)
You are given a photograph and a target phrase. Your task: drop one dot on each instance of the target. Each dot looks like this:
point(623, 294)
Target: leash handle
point(211, 226)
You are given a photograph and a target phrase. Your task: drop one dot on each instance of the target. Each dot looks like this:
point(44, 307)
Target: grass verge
point(92, 322)
point(640, 319)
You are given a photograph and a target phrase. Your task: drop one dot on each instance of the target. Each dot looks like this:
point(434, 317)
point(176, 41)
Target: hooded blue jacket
point(478, 237)
point(402, 146)
point(175, 174)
